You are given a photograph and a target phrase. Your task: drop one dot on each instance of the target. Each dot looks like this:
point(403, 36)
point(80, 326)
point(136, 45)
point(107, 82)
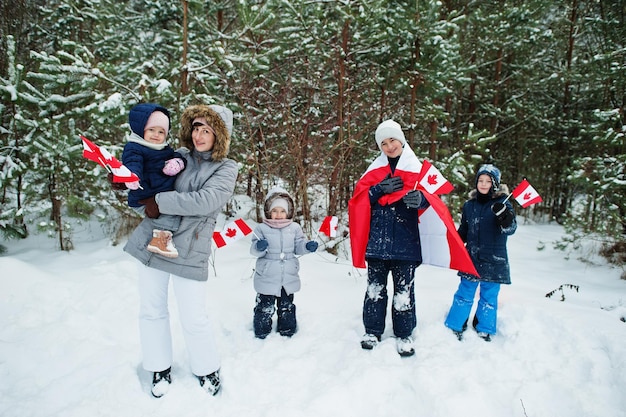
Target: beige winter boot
point(162, 244)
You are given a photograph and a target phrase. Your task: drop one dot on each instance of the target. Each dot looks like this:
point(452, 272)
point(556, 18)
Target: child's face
point(484, 184)
point(278, 213)
point(203, 138)
point(391, 147)
point(154, 134)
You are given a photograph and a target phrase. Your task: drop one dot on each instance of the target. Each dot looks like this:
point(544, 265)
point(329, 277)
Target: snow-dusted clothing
point(403, 314)
point(394, 232)
point(485, 239)
point(394, 246)
point(486, 242)
point(264, 308)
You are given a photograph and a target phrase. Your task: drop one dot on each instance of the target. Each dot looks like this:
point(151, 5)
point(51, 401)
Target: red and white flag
point(433, 181)
point(441, 244)
point(231, 232)
point(526, 195)
point(329, 226)
point(102, 157)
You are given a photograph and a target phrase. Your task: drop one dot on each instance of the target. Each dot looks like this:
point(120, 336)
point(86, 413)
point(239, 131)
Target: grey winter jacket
point(201, 190)
point(277, 266)
point(485, 239)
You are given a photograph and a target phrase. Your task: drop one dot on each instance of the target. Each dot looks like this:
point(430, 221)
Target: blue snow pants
point(486, 311)
point(403, 305)
point(264, 310)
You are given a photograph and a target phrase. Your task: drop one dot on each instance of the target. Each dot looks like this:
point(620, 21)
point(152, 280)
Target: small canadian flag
point(329, 226)
point(232, 231)
point(102, 157)
point(526, 195)
point(433, 181)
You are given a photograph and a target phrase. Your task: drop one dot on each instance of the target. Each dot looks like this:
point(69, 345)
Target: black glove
point(152, 208)
point(311, 246)
point(391, 184)
point(261, 245)
point(504, 216)
point(413, 199)
point(119, 186)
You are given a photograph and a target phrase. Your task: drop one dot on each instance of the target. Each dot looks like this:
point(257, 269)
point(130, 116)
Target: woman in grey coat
point(276, 242)
point(201, 191)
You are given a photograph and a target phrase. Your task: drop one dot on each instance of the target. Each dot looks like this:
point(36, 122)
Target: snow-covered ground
point(69, 340)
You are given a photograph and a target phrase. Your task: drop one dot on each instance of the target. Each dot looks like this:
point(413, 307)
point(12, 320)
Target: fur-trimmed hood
point(274, 195)
point(219, 118)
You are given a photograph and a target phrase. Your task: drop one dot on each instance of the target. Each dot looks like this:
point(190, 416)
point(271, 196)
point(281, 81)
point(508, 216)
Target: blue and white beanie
point(493, 172)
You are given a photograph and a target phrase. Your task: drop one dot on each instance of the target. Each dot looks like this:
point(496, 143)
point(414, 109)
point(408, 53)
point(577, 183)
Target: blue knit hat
point(139, 115)
point(492, 171)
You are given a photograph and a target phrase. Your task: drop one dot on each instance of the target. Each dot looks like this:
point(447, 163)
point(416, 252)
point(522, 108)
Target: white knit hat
point(280, 202)
point(389, 129)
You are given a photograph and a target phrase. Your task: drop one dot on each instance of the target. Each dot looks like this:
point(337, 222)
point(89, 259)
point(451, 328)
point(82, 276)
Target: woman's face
point(202, 135)
point(391, 147)
point(484, 184)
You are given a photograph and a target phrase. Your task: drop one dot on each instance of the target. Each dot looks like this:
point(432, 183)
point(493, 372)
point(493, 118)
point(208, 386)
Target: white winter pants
point(154, 322)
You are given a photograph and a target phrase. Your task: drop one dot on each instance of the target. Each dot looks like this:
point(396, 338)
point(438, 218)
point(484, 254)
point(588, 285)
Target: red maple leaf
point(432, 179)
point(230, 232)
point(527, 196)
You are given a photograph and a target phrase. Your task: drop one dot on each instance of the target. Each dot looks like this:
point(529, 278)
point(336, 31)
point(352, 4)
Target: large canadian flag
point(102, 157)
point(441, 244)
point(433, 181)
point(231, 232)
point(329, 226)
point(526, 195)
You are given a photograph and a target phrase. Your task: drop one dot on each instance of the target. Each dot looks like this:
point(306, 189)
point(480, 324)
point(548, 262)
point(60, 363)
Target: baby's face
point(154, 134)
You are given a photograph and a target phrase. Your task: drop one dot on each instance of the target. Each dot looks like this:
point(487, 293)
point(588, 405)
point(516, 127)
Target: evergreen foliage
point(537, 87)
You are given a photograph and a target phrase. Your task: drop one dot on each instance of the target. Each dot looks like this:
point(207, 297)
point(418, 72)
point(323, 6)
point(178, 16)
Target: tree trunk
point(337, 157)
point(184, 73)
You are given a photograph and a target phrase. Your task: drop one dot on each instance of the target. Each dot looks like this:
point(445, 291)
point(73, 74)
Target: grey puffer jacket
point(277, 266)
point(201, 190)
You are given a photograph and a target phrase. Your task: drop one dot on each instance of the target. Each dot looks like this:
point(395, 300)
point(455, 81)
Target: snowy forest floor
point(69, 340)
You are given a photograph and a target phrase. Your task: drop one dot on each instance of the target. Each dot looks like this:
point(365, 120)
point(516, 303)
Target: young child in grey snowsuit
point(276, 242)
point(486, 222)
point(148, 156)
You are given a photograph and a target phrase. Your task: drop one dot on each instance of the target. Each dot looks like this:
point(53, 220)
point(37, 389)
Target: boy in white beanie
point(276, 242)
point(148, 156)
point(384, 237)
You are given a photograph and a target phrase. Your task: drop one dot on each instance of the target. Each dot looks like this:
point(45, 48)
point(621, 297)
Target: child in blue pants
point(486, 222)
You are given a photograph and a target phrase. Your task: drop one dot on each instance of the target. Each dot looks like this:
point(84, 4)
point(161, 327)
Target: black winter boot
point(161, 383)
point(211, 383)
